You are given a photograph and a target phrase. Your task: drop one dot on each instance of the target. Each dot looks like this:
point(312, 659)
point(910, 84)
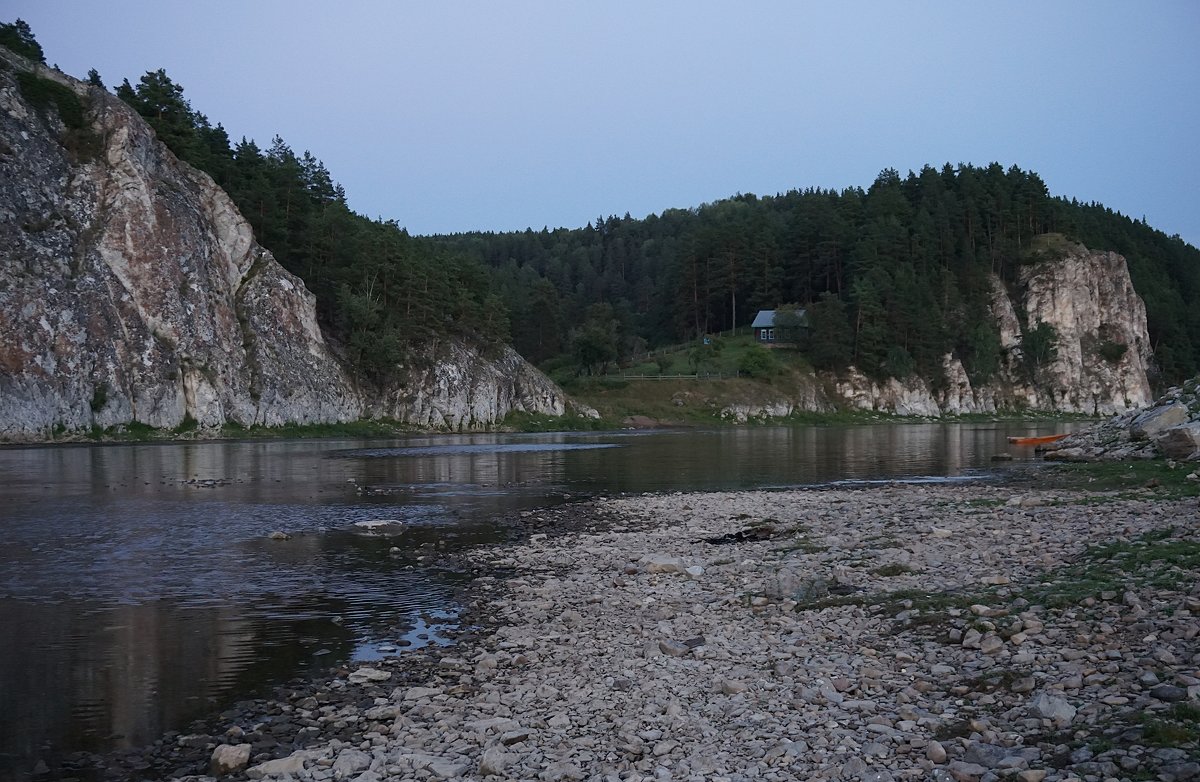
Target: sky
point(461, 116)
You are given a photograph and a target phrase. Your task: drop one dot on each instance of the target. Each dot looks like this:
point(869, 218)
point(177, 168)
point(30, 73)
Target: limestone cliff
point(132, 290)
point(1102, 356)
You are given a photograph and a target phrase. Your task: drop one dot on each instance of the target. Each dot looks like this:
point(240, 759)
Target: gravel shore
point(947, 632)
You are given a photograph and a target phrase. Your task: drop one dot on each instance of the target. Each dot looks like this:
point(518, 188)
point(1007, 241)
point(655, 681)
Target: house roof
point(765, 319)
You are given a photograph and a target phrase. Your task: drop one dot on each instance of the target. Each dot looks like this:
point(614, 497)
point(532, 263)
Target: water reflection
point(144, 590)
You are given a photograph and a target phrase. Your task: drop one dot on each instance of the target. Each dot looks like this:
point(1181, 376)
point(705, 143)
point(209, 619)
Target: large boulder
point(1180, 442)
point(1158, 419)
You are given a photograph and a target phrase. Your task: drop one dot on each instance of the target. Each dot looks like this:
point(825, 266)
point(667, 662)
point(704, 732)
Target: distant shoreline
point(371, 429)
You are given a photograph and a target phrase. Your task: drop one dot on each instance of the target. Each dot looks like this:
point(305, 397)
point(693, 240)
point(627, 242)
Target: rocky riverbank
point(1170, 427)
point(951, 632)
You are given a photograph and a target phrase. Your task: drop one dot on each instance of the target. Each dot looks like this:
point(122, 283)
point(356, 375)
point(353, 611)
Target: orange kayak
point(1049, 438)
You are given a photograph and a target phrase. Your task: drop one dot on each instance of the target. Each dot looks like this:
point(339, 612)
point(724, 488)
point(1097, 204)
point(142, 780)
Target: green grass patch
point(1048, 247)
point(188, 424)
point(1154, 559)
point(1179, 726)
point(1137, 476)
point(350, 429)
point(802, 546)
point(984, 503)
point(189, 429)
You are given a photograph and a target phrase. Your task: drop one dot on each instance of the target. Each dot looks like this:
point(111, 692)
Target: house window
point(770, 334)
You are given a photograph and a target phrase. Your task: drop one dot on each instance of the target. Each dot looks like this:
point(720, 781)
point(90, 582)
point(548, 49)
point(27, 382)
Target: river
point(140, 588)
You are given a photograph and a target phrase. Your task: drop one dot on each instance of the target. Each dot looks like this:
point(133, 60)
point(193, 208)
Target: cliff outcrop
point(1098, 365)
point(132, 290)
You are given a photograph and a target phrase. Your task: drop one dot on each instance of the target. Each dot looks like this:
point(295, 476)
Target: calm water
point(139, 589)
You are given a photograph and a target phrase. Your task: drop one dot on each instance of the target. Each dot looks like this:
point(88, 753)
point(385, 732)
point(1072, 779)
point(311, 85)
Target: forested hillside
point(894, 276)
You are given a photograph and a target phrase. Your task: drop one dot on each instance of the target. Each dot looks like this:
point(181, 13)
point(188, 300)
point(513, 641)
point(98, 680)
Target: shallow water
point(139, 589)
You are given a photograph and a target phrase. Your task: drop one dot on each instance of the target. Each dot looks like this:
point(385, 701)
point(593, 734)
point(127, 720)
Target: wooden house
point(768, 334)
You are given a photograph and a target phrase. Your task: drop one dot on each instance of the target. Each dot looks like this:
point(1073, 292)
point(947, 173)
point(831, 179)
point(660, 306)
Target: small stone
point(673, 648)
point(986, 755)
point(730, 687)
point(1169, 693)
point(988, 611)
point(661, 563)
point(363, 675)
point(966, 772)
point(1180, 772)
point(494, 761)
point(664, 748)
point(1023, 684)
point(935, 752)
point(1052, 707)
point(510, 737)
point(293, 764)
point(448, 769)
point(228, 758)
point(350, 761)
point(562, 770)
point(1032, 775)
point(854, 767)
point(278, 535)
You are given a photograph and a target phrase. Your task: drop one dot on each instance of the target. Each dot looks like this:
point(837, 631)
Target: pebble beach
point(896, 632)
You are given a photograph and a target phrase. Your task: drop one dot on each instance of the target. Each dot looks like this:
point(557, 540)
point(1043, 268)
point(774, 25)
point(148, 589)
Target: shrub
point(43, 93)
point(1111, 351)
point(758, 362)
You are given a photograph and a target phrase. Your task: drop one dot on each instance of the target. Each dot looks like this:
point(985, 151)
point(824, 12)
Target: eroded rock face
point(132, 290)
point(464, 390)
point(1089, 300)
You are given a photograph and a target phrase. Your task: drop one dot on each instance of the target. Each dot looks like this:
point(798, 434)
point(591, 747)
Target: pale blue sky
point(505, 115)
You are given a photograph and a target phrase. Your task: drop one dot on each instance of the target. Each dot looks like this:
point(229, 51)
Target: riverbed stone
point(291, 765)
point(1052, 707)
point(494, 761)
point(662, 563)
point(1169, 693)
point(229, 758)
point(350, 762)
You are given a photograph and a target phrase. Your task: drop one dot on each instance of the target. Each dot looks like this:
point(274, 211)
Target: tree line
point(893, 277)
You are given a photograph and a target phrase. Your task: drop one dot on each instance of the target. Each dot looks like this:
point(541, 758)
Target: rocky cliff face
point(132, 290)
point(1088, 298)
